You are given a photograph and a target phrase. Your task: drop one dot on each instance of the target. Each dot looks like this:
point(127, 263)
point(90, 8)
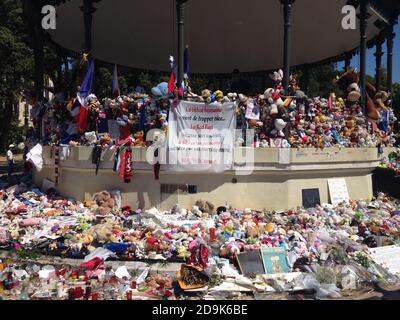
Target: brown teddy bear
point(105, 203)
point(139, 139)
point(205, 206)
point(103, 232)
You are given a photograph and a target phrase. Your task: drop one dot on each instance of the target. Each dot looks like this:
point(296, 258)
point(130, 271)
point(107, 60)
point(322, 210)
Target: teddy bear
point(105, 203)
point(372, 106)
point(232, 96)
point(273, 98)
point(348, 83)
point(103, 232)
point(139, 139)
point(280, 124)
point(252, 230)
point(219, 96)
point(91, 137)
point(349, 128)
point(277, 77)
point(205, 206)
point(319, 141)
point(106, 140)
point(206, 96)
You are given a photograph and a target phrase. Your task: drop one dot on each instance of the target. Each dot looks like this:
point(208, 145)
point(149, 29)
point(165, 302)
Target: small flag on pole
point(115, 85)
point(84, 92)
point(171, 83)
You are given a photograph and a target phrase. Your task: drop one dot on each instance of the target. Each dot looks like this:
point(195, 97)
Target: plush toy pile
point(279, 120)
point(392, 161)
point(205, 239)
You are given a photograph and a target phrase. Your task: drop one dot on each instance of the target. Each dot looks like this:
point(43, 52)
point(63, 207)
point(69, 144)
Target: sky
point(371, 58)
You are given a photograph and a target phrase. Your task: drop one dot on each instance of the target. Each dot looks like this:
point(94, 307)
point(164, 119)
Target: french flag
point(115, 85)
point(85, 91)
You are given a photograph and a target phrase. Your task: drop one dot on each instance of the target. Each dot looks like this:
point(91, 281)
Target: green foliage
point(16, 64)
point(17, 133)
point(103, 81)
point(326, 275)
point(29, 254)
point(146, 81)
point(362, 259)
point(198, 84)
point(321, 81)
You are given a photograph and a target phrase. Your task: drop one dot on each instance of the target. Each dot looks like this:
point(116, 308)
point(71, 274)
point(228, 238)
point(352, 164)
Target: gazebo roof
point(222, 35)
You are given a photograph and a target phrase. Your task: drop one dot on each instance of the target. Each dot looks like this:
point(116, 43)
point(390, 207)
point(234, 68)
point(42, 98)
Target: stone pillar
point(287, 16)
point(347, 61)
point(180, 9)
point(363, 16)
point(378, 58)
point(88, 11)
point(390, 39)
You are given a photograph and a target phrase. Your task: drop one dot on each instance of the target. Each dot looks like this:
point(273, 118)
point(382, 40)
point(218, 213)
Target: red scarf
point(126, 167)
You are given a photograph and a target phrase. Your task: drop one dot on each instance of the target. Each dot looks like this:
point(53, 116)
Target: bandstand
point(255, 35)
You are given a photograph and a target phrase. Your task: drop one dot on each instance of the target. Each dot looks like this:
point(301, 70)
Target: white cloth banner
point(201, 137)
point(35, 157)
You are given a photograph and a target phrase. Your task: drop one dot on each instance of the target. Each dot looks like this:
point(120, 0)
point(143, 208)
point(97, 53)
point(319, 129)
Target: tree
point(320, 81)
point(16, 63)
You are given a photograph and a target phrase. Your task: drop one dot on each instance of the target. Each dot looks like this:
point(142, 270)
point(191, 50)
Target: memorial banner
point(201, 137)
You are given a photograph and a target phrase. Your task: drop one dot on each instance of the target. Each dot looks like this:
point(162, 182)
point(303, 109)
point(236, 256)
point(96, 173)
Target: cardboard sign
point(252, 111)
point(387, 257)
point(311, 198)
point(250, 262)
point(338, 191)
point(274, 260)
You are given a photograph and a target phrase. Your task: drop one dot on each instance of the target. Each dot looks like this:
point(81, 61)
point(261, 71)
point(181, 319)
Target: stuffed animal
point(381, 97)
point(206, 96)
point(348, 83)
point(91, 137)
point(280, 124)
point(219, 96)
point(277, 77)
point(232, 248)
point(106, 140)
point(205, 206)
point(328, 138)
point(105, 203)
point(139, 139)
point(103, 232)
point(273, 97)
point(372, 108)
point(232, 96)
point(160, 91)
